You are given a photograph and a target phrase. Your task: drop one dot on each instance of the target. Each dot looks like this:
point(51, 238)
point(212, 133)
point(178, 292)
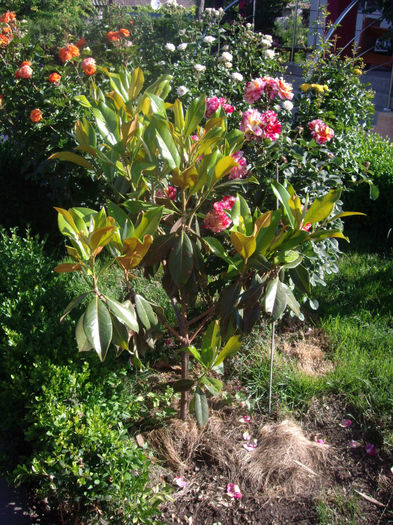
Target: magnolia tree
point(177, 182)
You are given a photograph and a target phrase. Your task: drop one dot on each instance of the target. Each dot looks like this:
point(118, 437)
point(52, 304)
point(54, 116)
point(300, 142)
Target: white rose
point(225, 48)
point(269, 53)
point(209, 39)
point(182, 47)
point(226, 57)
point(237, 77)
point(248, 25)
point(169, 47)
point(266, 43)
point(277, 108)
point(228, 65)
point(182, 90)
point(199, 68)
point(287, 104)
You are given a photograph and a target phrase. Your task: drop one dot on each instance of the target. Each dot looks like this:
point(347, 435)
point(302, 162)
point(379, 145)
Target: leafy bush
point(374, 154)
point(66, 420)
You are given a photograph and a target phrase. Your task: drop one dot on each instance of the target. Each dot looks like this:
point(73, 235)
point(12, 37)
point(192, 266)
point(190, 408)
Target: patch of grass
point(356, 310)
point(338, 509)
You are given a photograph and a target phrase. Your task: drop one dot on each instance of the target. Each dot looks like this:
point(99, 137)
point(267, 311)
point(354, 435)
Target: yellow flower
point(305, 87)
point(325, 87)
point(319, 88)
point(357, 71)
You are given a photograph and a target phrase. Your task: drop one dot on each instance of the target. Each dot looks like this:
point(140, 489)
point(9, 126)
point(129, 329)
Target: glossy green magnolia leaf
point(217, 248)
point(235, 140)
point(178, 114)
point(201, 407)
point(291, 300)
point(266, 234)
point(71, 305)
point(229, 350)
point(101, 237)
point(164, 142)
point(183, 385)
point(284, 198)
point(301, 279)
point(195, 353)
point(275, 299)
point(213, 385)
point(374, 192)
point(224, 166)
point(149, 222)
point(82, 101)
point(136, 83)
point(81, 337)
point(120, 335)
point(194, 115)
point(322, 207)
point(243, 244)
point(180, 261)
point(211, 342)
point(145, 312)
point(125, 314)
point(241, 216)
point(74, 158)
point(97, 325)
point(346, 214)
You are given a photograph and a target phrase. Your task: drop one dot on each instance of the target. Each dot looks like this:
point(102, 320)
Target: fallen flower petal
point(233, 491)
point(246, 436)
point(321, 441)
point(251, 445)
point(180, 482)
point(354, 444)
point(370, 449)
point(345, 423)
point(245, 419)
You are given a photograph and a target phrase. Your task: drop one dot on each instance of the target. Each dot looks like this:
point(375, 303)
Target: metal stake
point(253, 13)
point(294, 32)
point(271, 366)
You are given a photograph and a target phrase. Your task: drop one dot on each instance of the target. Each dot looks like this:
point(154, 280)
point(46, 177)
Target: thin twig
point(201, 316)
point(202, 325)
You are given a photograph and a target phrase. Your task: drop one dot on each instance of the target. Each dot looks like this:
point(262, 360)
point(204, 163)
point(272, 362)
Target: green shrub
point(65, 420)
point(375, 154)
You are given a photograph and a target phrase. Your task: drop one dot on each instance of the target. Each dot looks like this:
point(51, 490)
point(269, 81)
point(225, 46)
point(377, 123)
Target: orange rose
point(26, 63)
point(89, 66)
point(24, 71)
point(81, 42)
point(68, 52)
point(113, 36)
point(7, 17)
point(6, 30)
point(124, 32)
point(36, 115)
point(4, 40)
point(54, 77)
point(130, 21)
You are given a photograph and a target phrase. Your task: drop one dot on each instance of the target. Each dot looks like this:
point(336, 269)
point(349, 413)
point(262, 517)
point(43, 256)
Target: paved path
point(13, 506)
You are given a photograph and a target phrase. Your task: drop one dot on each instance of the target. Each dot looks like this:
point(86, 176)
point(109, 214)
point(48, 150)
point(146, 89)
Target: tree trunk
point(184, 395)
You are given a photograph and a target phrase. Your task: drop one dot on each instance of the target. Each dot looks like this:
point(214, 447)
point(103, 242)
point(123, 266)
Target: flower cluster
point(241, 170)
point(5, 36)
point(54, 78)
point(271, 87)
point(320, 131)
point(217, 220)
point(25, 70)
point(68, 52)
point(259, 126)
point(318, 88)
point(114, 36)
point(213, 103)
point(169, 193)
point(7, 17)
point(89, 66)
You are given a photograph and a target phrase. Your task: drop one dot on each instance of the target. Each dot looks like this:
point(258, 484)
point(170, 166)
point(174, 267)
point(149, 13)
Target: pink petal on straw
point(370, 449)
point(354, 444)
point(245, 419)
point(251, 445)
point(345, 423)
point(320, 441)
point(180, 482)
point(233, 491)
